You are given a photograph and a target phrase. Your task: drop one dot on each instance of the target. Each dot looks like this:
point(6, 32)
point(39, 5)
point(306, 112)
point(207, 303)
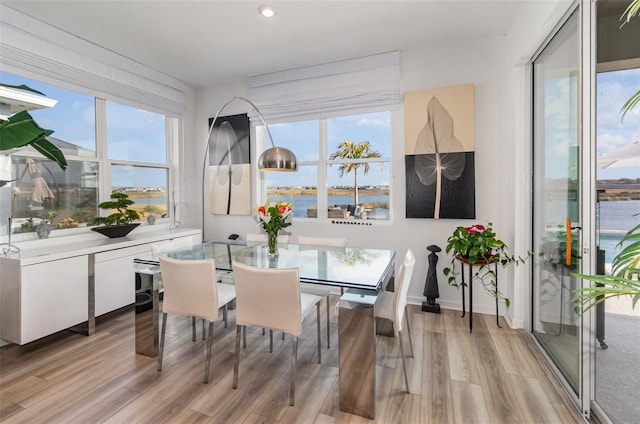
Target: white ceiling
point(210, 42)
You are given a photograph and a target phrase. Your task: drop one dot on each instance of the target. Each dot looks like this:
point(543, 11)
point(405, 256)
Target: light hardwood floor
point(490, 376)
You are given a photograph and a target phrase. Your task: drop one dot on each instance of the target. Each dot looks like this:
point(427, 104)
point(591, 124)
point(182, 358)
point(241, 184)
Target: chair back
point(268, 297)
point(323, 241)
point(190, 287)
point(404, 278)
point(282, 238)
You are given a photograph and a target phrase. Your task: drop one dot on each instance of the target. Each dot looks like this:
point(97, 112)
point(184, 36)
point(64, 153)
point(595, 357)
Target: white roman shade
point(37, 50)
point(362, 85)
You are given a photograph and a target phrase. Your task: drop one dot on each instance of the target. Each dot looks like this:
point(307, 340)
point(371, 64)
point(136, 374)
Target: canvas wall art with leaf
point(230, 166)
point(439, 153)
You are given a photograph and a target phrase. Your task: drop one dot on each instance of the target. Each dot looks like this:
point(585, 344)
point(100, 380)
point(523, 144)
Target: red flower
point(480, 227)
point(282, 208)
point(472, 231)
point(261, 210)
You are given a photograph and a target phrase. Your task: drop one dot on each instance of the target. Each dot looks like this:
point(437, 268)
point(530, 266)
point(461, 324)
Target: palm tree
point(350, 150)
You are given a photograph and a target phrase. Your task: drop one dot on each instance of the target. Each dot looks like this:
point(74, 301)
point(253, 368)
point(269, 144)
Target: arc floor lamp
point(278, 159)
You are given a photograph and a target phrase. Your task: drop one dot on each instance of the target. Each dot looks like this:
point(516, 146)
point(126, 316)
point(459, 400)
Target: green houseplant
point(478, 245)
point(120, 222)
point(21, 130)
point(623, 281)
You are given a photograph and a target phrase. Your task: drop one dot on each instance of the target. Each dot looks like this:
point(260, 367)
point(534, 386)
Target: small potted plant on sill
point(27, 226)
point(46, 225)
point(478, 245)
point(119, 223)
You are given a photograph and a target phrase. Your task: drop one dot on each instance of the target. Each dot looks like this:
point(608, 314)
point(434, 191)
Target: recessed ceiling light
point(267, 11)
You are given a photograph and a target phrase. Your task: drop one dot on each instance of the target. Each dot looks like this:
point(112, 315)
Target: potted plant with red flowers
point(478, 245)
point(273, 217)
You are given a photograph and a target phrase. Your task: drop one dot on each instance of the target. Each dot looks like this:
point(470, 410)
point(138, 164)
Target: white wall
point(494, 65)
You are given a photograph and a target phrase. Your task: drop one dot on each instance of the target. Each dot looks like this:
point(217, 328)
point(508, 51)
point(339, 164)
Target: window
point(129, 154)
point(146, 186)
point(137, 152)
point(344, 167)
point(135, 134)
point(41, 190)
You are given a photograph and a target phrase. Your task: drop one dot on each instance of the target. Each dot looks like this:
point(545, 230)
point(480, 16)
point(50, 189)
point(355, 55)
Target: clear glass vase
point(272, 240)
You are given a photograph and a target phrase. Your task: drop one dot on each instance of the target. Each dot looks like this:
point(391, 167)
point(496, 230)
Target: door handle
point(567, 254)
point(569, 240)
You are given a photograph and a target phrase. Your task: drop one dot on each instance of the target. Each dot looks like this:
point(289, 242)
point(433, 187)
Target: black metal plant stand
point(465, 261)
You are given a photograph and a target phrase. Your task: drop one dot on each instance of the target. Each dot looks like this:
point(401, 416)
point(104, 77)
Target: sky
point(612, 132)
point(132, 134)
point(613, 90)
point(303, 139)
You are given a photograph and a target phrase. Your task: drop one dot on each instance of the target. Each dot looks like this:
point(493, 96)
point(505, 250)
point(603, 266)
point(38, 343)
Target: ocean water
point(302, 203)
point(150, 200)
point(614, 220)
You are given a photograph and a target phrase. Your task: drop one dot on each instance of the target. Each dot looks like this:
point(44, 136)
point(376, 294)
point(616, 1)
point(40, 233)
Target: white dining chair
point(270, 298)
point(393, 306)
point(316, 288)
point(282, 238)
point(261, 237)
point(191, 288)
point(164, 246)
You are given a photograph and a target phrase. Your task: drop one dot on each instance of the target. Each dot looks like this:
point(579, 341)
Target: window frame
point(322, 164)
point(104, 187)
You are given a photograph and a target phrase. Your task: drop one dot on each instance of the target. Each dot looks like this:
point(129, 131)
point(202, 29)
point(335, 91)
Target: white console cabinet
point(52, 285)
point(45, 297)
point(113, 276)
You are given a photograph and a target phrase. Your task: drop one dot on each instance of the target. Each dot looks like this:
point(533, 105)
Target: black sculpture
point(431, 285)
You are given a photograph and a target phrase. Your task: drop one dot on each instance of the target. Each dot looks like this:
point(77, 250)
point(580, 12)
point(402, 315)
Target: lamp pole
point(272, 159)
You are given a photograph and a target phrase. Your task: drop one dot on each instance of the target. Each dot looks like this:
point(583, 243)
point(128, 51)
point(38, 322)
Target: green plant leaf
point(623, 281)
point(630, 104)
point(123, 215)
point(50, 151)
point(474, 243)
point(21, 130)
point(632, 10)
point(609, 286)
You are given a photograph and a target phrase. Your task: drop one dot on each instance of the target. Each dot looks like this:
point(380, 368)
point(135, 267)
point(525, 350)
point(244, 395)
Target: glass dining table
point(362, 273)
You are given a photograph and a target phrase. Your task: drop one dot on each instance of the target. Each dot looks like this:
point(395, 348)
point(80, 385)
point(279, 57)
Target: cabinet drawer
point(114, 278)
point(53, 297)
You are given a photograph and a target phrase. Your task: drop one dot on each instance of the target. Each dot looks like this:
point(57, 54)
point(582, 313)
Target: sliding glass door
point(557, 199)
